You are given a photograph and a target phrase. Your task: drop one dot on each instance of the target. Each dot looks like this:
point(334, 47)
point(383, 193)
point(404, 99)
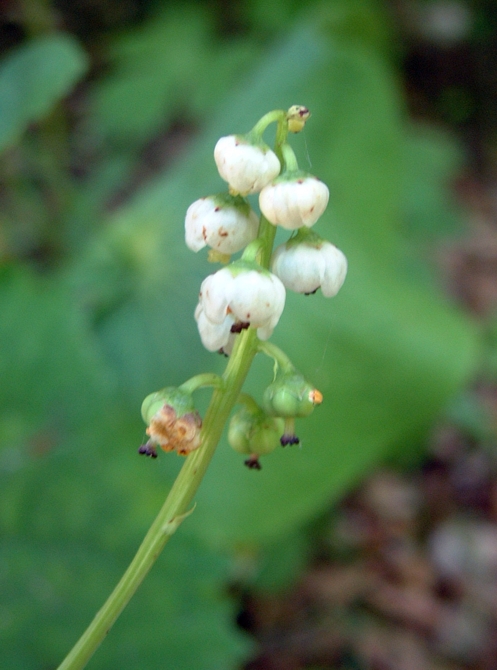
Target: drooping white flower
point(303, 267)
point(241, 292)
point(246, 167)
point(224, 223)
point(294, 201)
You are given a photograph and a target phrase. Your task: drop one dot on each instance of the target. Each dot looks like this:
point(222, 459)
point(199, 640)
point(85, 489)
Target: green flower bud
point(173, 422)
point(290, 395)
point(254, 433)
point(238, 431)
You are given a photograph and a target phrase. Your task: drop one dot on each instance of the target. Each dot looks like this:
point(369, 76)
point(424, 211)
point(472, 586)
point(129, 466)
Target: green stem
point(278, 115)
point(267, 233)
point(178, 502)
point(277, 355)
point(280, 140)
point(289, 158)
point(253, 250)
point(199, 381)
point(176, 506)
point(184, 488)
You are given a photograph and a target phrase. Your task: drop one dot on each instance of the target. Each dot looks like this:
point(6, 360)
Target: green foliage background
point(110, 318)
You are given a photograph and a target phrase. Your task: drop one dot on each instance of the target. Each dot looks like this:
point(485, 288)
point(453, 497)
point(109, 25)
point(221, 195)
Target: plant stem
point(205, 379)
point(176, 505)
point(277, 355)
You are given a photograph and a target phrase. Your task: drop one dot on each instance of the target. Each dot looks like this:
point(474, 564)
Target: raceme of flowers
point(250, 292)
point(226, 223)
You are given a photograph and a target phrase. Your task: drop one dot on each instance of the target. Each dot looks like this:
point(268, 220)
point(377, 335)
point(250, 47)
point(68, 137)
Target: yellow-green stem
point(176, 506)
point(179, 500)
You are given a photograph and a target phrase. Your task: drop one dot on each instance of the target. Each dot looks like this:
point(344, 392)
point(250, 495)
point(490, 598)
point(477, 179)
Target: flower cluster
point(244, 294)
point(249, 293)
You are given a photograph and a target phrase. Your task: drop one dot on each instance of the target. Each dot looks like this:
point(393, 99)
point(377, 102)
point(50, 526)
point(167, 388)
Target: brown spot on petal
point(300, 181)
point(222, 232)
point(216, 209)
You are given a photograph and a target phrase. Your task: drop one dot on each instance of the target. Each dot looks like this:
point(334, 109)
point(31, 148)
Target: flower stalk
point(176, 507)
point(238, 307)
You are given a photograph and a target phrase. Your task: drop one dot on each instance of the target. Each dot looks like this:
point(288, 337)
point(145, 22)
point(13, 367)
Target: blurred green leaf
point(33, 78)
point(55, 377)
point(178, 619)
point(170, 66)
point(432, 159)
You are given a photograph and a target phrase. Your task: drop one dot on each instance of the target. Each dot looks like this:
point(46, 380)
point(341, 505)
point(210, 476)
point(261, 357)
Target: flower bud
point(245, 166)
point(297, 116)
point(294, 200)
point(173, 422)
point(241, 292)
point(304, 267)
point(290, 395)
point(222, 222)
point(255, 434)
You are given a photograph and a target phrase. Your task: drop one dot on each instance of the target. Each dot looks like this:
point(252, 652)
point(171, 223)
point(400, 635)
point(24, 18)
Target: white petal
point(257, 298)
point(335, 270)
point(214, 336)
point(215, 294)
point(298, 267)
point(194, 226)
point(228, 230)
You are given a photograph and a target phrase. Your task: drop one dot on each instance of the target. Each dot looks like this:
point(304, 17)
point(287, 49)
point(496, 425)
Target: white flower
point(238, 293)
point(246, 167)
point(304, 267)
point(293, 203)
point(223, 223)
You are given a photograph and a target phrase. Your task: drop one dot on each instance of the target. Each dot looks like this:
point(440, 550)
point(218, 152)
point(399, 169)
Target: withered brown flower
point(173, 433)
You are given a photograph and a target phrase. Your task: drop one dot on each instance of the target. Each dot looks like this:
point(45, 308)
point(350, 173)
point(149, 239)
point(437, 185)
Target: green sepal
point(179, 400)
point(305, 236)
point(241, 265)
point(225, 199)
